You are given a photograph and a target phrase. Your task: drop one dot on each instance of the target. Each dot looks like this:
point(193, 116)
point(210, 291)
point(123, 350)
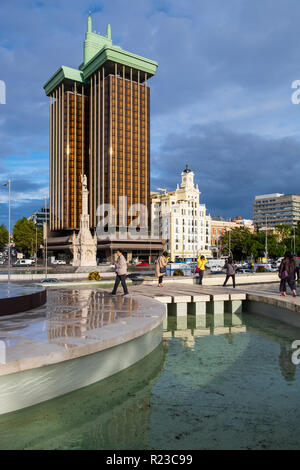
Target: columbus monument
point(84, 244)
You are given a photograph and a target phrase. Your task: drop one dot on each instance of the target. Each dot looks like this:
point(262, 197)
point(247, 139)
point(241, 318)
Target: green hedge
point(178, 272)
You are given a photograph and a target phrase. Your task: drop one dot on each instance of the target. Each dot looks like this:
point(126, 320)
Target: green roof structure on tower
point(97, 51)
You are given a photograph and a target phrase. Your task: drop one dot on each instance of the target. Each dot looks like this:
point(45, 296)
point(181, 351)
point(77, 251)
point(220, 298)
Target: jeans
point(121, 279)
point(227, 277)
point(201, 273)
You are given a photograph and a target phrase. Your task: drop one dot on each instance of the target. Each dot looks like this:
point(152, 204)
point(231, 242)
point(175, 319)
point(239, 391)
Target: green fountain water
point(207, 386)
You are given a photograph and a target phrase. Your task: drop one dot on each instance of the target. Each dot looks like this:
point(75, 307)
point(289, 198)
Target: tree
point(276, 248)
point(238, 240)
point(284, 230)
point(24, 234)
point(244, 244)
point(256, 248)
point(3, 237)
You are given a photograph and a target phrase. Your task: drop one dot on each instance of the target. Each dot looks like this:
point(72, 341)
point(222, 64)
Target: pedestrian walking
point(287, 274)
point(161, 267)
point(201, 261)
point(230, 271)
point(121, 272)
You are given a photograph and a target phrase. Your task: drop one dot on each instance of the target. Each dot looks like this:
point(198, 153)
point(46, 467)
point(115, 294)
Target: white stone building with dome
point(179, 218)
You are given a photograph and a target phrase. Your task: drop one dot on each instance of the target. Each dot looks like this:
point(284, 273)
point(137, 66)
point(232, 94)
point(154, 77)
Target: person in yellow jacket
point(201, 267)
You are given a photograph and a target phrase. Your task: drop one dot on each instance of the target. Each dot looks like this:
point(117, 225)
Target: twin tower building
point(100, 127)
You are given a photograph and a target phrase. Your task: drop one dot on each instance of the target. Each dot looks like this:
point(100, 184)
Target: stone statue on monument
point(84, 244)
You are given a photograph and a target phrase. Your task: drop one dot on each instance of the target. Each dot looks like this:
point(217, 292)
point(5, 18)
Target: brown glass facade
point(102, 129)
point(68, 147)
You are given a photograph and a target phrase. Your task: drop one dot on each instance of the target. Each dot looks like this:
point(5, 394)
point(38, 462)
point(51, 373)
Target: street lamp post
point(9, 196)
point(294, 236)
point(266, 247)
point(35, 246)
point(266, 230)
point(46, 255)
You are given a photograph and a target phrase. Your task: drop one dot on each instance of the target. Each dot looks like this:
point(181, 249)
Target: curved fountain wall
point(18, 298)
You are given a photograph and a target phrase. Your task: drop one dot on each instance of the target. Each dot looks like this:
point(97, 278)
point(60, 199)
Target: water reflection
point(288, 369)
point(71, 313)
point(189, 326)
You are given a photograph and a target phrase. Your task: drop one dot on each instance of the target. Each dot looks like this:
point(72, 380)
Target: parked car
point(143, 264)
point(58, 261)
point(49, 280)
point(244, 271)
point(216, 269)
point(273, 269)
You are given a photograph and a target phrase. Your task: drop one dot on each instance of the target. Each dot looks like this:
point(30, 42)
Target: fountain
point(17, 298)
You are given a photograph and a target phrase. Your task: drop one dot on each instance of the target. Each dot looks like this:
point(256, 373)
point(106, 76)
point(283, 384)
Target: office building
point(39, 217)
point(100, 127)
point(270, 210)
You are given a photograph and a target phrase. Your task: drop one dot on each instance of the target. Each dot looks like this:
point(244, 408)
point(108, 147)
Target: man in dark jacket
point(230, 272)
point(121, 272)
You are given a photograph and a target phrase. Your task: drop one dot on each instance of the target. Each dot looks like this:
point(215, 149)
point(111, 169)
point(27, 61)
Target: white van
point(24, 262)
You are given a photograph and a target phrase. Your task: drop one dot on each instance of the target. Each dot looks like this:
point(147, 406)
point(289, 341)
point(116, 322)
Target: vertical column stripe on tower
point(75, 156)
point(99, 147)
point(103, 137)
point(91, 149)
point(146, 145)
point(56, 157)
point(139, 142)
point(131, 137)
point(62, 154)
point(51, 163)
point(110, 144)
point(124, 218)
point(68, 224)
point(93, 215)
point(116, 176)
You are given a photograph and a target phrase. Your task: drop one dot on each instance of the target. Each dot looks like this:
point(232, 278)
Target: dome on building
point(187, 169)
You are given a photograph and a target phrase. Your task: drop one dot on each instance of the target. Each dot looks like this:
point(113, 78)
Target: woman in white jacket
point(160, 267)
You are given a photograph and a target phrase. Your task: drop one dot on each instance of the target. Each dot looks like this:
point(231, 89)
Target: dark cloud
point(231, 168)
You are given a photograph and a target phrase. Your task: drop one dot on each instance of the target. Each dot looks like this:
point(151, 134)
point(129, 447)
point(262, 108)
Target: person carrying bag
point(201, 261)
point(287, 274)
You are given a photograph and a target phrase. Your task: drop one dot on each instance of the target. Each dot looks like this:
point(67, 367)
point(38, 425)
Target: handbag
point(284, 275)
point(197, 270)
point(162, 270)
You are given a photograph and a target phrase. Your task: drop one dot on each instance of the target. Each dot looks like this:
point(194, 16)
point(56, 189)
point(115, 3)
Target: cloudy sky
point(221, 99)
